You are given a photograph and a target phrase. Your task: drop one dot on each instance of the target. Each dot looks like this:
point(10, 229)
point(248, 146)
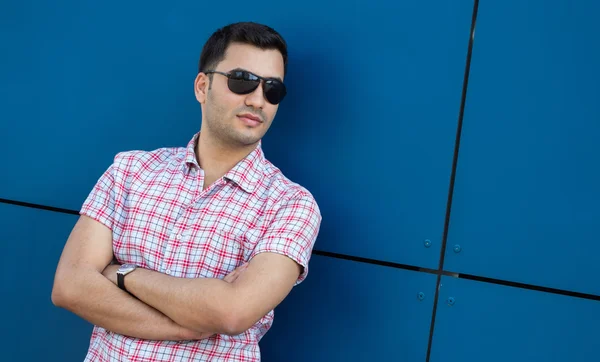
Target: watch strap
point(121, 281)
point(122, 272)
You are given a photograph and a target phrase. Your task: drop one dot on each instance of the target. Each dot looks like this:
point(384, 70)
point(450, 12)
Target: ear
point(201, 87)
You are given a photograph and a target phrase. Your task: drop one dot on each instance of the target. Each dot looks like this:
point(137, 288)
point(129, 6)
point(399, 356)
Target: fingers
point(189, 334)
point(203, 335)
point(231, 277)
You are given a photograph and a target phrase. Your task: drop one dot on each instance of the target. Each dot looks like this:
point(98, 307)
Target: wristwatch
point(124, 270)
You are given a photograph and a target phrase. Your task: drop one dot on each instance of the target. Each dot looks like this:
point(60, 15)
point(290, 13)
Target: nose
point(256, 98)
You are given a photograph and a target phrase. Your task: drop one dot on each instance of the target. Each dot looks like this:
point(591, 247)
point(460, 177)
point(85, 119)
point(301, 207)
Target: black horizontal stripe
point(371, 261)
point(375, 261)
point(529, 286)
point(458, 275)
point(38, 206)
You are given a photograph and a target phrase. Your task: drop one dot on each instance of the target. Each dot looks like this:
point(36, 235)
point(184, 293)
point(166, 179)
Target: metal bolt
point(457, 248)
point(427, 243)
point(450, 301)
point(421, 295)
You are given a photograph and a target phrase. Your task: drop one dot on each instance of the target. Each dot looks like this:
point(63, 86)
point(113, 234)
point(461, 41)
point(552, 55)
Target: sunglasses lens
point(242, 82)
point(274, 91)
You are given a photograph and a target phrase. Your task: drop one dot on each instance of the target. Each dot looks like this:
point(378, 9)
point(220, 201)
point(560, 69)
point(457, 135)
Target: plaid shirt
point(162, 220)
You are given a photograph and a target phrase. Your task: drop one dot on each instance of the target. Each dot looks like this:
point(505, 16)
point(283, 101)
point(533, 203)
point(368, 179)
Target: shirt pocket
point(214, 253)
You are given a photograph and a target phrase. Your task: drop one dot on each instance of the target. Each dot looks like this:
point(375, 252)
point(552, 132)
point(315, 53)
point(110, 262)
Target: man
point(181, 254)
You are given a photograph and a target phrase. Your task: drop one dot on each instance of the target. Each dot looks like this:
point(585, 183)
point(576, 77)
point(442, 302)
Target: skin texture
point(224, 138)
point(166, 307)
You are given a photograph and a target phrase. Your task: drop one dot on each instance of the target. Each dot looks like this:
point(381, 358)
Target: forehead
point(262, 62)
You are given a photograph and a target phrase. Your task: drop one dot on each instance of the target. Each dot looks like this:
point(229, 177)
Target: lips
point(250, 117)
point(250, 120)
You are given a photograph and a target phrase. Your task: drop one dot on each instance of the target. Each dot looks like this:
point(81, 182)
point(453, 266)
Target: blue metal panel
point(349, 311)
point(368, 125)
point(33, 329)
point(373, 124)
point(527, 195)
point(495, 323)
point(83, 80)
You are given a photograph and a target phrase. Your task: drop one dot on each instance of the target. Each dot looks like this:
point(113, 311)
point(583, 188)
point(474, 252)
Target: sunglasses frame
point(259, 78)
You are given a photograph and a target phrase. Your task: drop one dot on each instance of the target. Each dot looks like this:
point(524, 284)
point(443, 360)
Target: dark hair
point(261, 36)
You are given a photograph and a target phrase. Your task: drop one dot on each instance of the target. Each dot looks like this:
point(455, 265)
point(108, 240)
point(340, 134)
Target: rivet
point(450, 301)
point(421, 295)
point(427, 243)
point(457, 248)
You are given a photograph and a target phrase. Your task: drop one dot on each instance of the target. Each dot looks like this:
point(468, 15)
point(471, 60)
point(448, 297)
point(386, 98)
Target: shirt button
point(179, 237)
point(168, 271)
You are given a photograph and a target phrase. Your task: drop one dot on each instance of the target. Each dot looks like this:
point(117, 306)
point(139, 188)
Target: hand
point(191, 335)
point(188, 334)
point(231, 277)
point(110, 272)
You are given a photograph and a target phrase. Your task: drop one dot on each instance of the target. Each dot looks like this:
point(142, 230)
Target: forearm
point(198, 304)
point(95, 299)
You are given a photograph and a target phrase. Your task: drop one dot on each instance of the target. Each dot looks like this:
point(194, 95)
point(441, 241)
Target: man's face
point(224, 111)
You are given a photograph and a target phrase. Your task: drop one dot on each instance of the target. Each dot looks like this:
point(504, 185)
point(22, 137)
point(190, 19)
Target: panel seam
point(452, 176)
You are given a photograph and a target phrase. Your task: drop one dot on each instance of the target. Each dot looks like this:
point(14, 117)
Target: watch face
point(125, 268)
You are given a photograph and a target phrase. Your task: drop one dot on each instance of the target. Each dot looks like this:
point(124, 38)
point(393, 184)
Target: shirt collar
point(190, 159)
point(249, 171)
point(247, 174)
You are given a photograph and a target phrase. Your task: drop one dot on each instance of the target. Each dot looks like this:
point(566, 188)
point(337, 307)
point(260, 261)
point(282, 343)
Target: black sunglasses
point(244, 82)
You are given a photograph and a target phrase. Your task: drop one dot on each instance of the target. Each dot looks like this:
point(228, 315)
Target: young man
point(205, 241)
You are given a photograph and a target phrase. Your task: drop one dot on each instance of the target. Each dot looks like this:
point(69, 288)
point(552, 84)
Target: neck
point(216, 158)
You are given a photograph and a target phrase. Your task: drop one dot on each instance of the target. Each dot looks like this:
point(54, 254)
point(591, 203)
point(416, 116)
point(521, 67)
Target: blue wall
point(369, 126)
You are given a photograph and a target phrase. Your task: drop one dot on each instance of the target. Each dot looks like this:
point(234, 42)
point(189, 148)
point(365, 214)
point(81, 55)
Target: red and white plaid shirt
point(162, 220)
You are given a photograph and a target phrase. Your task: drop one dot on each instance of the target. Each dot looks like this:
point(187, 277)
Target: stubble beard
point(221, 128)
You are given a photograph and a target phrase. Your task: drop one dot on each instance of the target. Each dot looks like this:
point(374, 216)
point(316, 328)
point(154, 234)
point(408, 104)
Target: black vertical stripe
point(453, 174)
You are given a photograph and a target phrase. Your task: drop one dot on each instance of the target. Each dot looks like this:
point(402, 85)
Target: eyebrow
point(246, 70)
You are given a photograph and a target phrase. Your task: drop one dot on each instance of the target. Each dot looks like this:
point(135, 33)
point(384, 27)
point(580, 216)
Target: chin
point(247, 139)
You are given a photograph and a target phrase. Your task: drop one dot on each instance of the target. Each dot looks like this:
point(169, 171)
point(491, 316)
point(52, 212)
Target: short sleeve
point(293, 231)
point(100, 203)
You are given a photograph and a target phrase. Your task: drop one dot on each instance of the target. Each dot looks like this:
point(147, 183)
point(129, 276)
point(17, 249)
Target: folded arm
point(80, 287)
point(213, 304)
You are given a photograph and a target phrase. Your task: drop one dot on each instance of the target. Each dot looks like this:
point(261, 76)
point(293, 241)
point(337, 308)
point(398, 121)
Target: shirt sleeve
point(100, 203)
point(293, 231)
